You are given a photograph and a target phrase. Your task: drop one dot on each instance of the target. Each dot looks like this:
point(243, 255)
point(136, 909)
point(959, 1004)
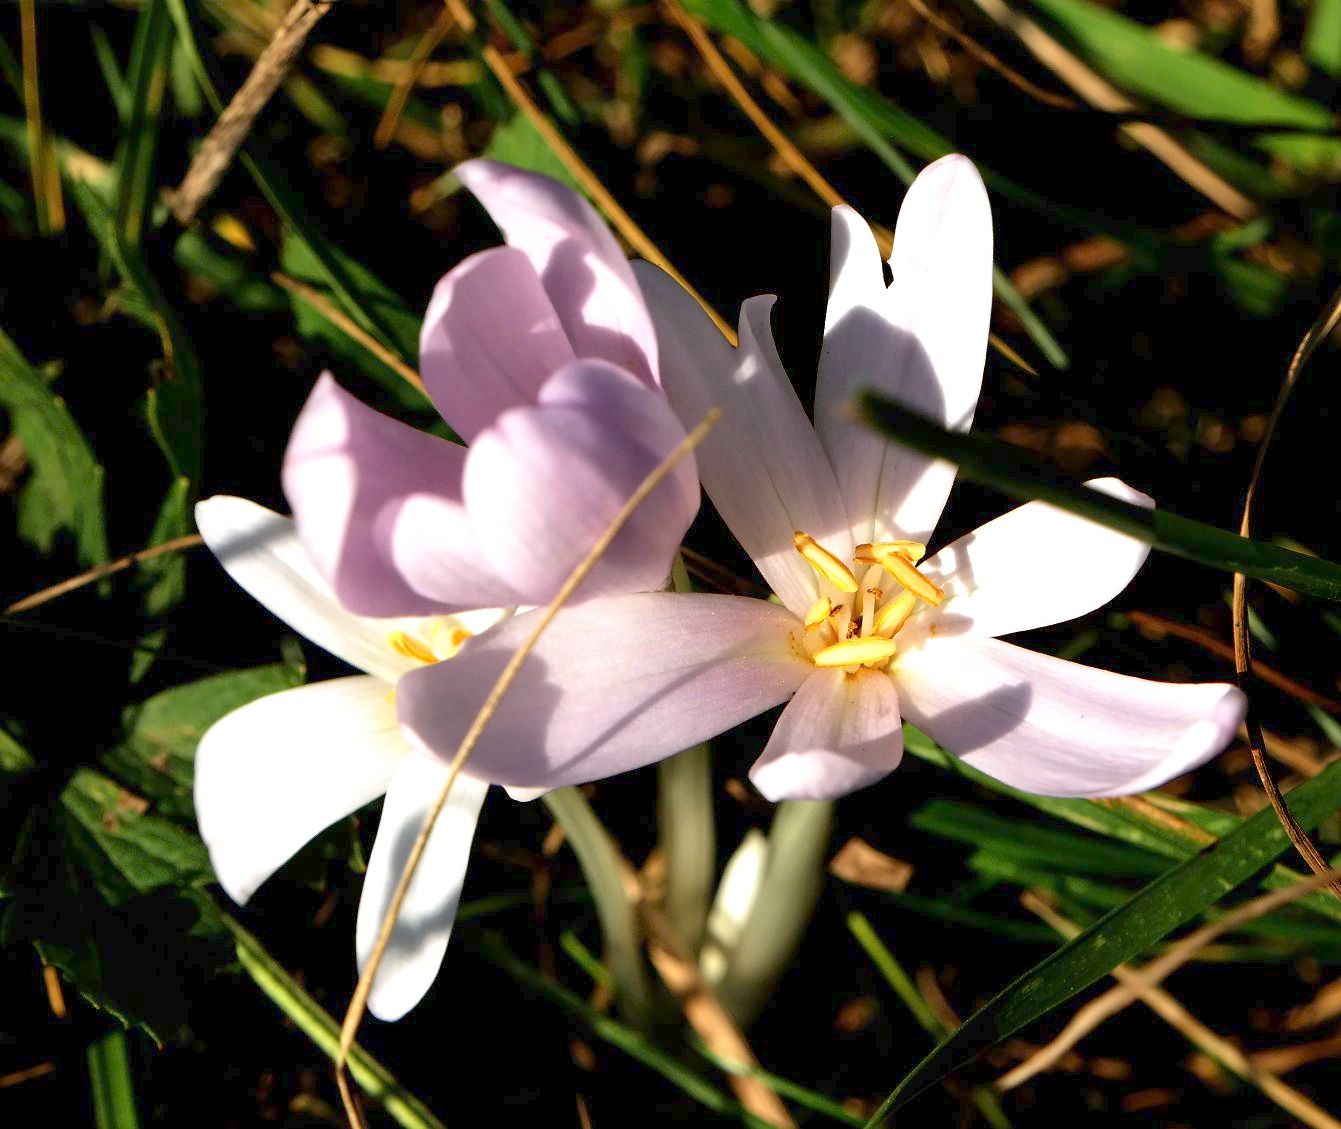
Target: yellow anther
point(902, 569)
point(890, 618)
point(405, 644)
point(824, 562)
point(869, 650)
point(868, 553)
point(819, 611)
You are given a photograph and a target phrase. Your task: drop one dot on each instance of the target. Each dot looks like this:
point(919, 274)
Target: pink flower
point(541, 354)
point(868, 632)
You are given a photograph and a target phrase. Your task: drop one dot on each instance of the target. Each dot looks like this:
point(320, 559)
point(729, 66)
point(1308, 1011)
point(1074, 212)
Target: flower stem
point(782, 909)
point(687, 838)
point(605, 871)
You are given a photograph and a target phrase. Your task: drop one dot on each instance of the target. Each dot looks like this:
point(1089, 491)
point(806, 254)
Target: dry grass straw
point(1318, 332)
point(1142, 984)
point(354, 1014)
point(1103, 95)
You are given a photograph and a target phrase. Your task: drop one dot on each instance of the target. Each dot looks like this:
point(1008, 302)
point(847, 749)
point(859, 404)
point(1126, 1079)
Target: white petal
point(762, 464)
point(424, 925)
point(839, 733)
point(1058, 728)
point(274, 773)
point(260, 550)
point(1032, 567)
point(922, 343)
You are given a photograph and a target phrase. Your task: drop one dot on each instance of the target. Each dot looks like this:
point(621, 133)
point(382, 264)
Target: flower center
point(430, 640)
point(857, 630)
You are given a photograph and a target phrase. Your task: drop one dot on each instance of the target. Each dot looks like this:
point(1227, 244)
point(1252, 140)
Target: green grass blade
point(995, 464)
point(147, 80)
point(1322, 40)
point(110, 1082)
point(376, 1081)
point(1180, 896)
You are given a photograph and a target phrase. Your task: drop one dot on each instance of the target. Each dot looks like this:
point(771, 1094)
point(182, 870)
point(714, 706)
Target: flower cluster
point(570, 373)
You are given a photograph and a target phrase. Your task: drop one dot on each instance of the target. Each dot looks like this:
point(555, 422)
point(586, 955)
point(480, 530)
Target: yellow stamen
point(405, 644)
point(824, 562)
point(894, 615)
point(868, 553)
point(819, 612)
point(902, 569)
point(863, 651)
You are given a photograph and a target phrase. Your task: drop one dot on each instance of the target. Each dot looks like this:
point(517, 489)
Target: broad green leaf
point(879, 122)
point(1005, 468)
point(15, 760)
point(136, 850)
point(1322, 40)
point(147, 79)
point(110, 1081)
point(157, 755)
point(63, 493)
point(1166, 904)
point(374, 1079)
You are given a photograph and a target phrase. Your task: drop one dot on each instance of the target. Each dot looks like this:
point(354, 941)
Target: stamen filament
point(870, 650)
point(891, 618)
point(824, 562)
point(902, 569)
point(870, 596)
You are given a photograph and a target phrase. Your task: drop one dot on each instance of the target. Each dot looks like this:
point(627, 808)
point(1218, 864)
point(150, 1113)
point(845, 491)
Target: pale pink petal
point(1032, 567)
point(578, 261)
point(612, 685)
point(378, 507)
point(839, 733)
point(923, 343)
point(762, 465)
point(544, 483)
point(490, 339)
point(278, 771)
point(424, 925)
point(260, 550)
point(1057, 728)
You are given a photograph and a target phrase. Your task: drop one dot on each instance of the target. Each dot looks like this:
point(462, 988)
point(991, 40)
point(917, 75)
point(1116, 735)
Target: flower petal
point(543, 484)
point(762, 465)
point(923, 342)
point(378, 508)
point(490, 339)
point(840, 733)
point(1058, 728)
point(419, 938)
point(1032, 567)
point(272, 774)
point(260, 550)
point(611, 685)
point(578, 261)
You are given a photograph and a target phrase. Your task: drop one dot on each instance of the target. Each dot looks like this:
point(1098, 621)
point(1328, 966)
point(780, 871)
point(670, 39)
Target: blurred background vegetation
point(1164, 180)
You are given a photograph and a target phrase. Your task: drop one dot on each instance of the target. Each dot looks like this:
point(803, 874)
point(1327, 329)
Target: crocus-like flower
point(868, 630)
point(542, 356)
